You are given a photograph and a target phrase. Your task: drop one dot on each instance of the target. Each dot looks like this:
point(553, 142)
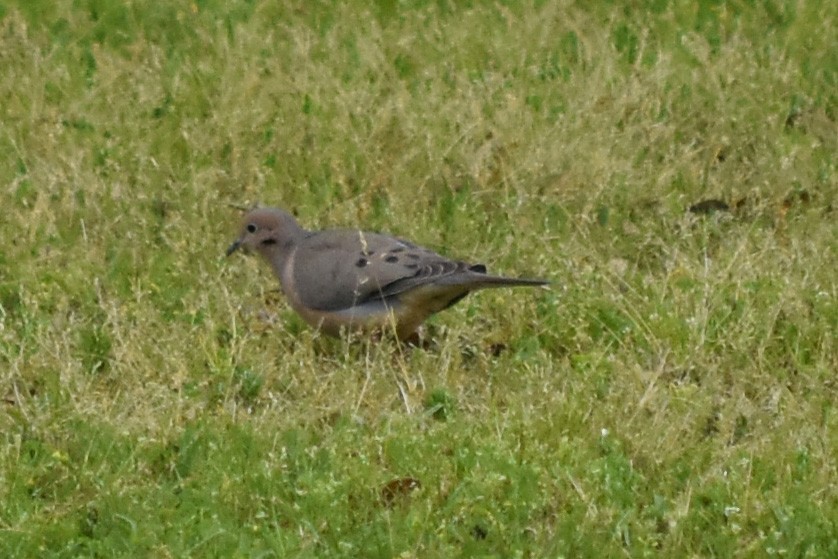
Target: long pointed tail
point(499, 281)
point(480, 277)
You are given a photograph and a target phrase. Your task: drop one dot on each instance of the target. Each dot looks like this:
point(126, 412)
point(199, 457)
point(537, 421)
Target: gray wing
point(339, 269)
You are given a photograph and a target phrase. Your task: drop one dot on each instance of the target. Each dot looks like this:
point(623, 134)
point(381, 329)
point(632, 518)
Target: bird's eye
point(251, 227)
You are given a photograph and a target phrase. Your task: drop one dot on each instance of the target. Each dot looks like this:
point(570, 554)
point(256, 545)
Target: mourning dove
point(347, 278)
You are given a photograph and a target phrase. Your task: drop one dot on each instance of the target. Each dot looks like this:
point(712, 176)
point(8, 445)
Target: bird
point(350, 279)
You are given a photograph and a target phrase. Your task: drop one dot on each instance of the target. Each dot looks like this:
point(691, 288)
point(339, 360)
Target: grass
point(673, 394)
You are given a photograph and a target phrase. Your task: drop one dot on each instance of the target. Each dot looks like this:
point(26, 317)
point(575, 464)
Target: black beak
point(234, 247)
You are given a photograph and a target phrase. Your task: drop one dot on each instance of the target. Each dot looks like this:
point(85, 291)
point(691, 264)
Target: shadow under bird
point(350, 279)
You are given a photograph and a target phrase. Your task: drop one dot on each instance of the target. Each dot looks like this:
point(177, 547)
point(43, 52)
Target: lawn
point(669, 165)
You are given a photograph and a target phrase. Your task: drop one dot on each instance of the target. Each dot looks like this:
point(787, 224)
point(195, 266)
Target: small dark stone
point(398, 488)
point(496, 349)
point(709, 206)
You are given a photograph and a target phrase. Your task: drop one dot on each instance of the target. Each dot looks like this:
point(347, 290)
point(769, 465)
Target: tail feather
point(476, 278)
point(500, 281)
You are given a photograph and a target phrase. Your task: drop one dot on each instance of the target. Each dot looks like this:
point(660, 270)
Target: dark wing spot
point(362, 262)
point(397, 250)
point(269, 242)
point(479, 268)
point(413, 256)
point(392, 259)
point(412, 266)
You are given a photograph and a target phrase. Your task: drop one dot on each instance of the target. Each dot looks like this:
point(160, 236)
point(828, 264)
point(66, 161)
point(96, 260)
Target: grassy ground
point(673, 394)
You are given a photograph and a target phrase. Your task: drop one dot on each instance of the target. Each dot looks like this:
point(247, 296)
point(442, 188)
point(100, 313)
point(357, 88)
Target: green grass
point(673, 394)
